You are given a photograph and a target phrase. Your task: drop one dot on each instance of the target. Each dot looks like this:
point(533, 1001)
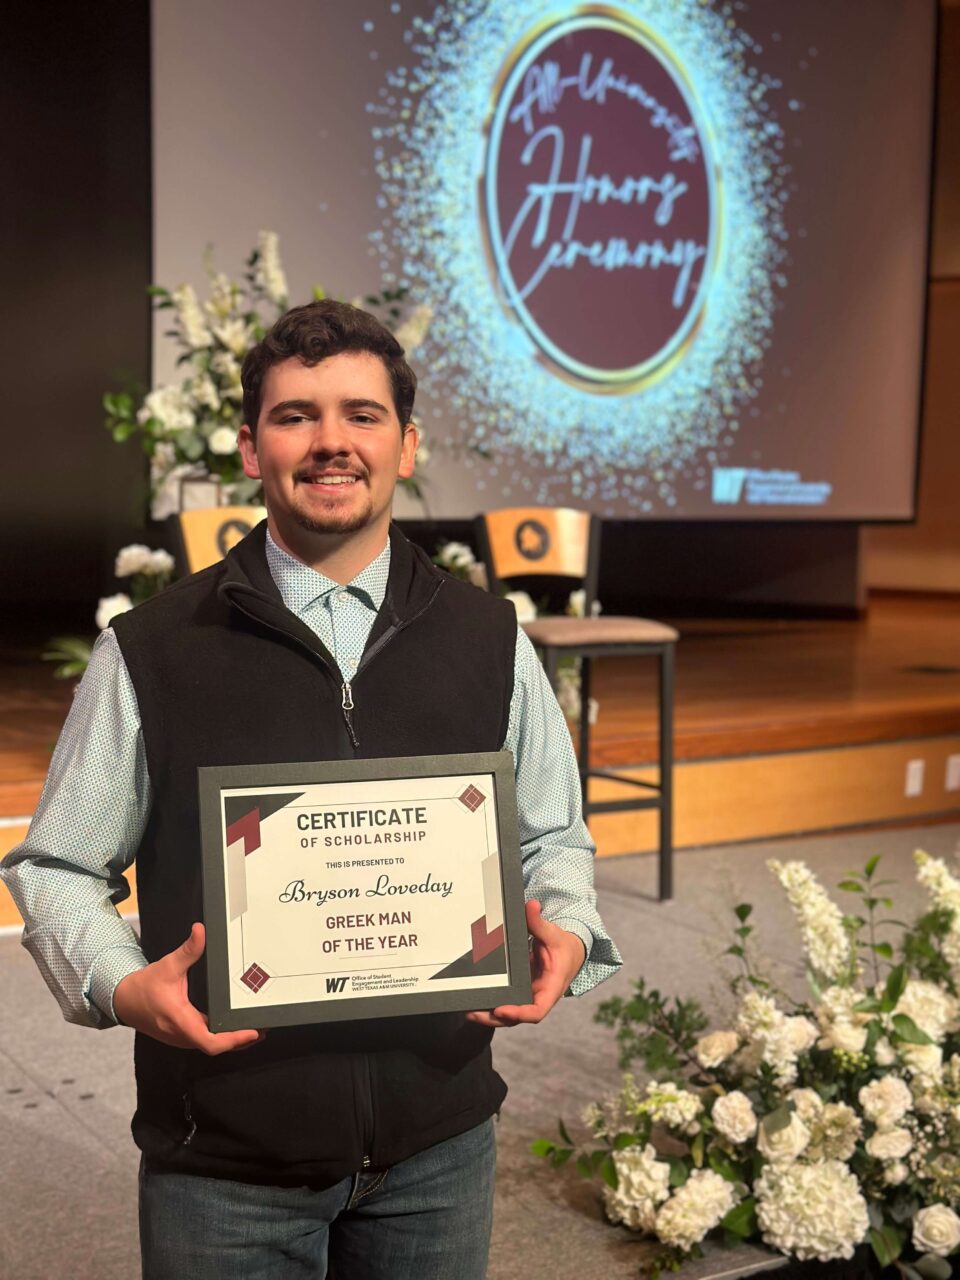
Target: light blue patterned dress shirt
point(67, 875)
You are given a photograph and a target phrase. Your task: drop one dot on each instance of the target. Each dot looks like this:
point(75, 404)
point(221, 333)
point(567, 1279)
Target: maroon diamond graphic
point(255, 977)
point(472, 798)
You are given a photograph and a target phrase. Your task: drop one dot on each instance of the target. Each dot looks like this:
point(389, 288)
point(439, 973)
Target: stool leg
point(586, 665)
point(666, 774)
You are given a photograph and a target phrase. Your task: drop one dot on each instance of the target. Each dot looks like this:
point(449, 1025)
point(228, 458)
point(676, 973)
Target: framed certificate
point(361, 889)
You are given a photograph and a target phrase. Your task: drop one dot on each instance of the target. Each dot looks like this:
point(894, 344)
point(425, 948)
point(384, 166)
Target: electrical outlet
point(914, 780)
point(953, 773)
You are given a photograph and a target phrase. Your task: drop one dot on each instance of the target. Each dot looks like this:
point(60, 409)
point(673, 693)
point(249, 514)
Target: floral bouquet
point(815, 1126)
point(189, 428)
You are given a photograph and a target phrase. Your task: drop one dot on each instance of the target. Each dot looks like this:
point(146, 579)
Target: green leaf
point(543, 1147)
point(624, 1140)
point(679, 1173)
point(561, 1156)
point(887, 1243)
point(851, 886)
point(696, 1151)
point(157, 291)
point(883, 949)
point(742, 1219)
point(721, 1164)
point(896, 985)
point(871, 866)
point(563, 1132)
point(908, 1030)
point(608, 1171)
point(777, 1120)
point(743, 911)
point(869, 1004)
point(932, 1267)
point(584, 1167)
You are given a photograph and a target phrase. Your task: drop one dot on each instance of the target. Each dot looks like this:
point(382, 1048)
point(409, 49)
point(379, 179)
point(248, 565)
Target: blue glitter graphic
point(628, 449)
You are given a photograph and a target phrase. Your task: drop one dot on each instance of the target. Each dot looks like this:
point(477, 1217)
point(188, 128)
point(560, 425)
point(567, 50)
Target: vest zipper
point(346, 702)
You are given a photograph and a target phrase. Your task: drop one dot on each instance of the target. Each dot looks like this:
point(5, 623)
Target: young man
point(366, 1146)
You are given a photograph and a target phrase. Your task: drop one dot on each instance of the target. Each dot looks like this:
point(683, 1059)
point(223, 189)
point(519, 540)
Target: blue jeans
point(427, 1218)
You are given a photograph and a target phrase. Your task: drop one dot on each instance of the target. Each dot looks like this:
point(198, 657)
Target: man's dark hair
point(318, 330)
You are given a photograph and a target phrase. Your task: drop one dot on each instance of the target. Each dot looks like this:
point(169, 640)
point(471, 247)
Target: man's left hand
point(555, 960)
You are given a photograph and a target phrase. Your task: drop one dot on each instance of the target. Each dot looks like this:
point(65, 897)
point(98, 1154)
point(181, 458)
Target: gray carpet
point(69, 1167)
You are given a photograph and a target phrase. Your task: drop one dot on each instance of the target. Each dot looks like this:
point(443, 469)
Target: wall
point(925, 556)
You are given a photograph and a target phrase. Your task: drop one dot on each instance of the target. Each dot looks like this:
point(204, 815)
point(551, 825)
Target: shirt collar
point(300, 586)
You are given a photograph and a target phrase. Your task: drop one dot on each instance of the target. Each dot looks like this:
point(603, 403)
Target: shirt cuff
point(602, 958)
point(108, 971)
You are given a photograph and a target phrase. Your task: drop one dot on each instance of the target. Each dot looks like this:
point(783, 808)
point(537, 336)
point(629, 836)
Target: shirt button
point(353, 664)
point(343, 595)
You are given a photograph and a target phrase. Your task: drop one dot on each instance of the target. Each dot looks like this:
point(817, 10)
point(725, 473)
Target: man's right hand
point(154, 1000)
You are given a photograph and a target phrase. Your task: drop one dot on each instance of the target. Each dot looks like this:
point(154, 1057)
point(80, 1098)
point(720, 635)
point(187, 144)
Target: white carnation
point(885, 1101)
point(674, 1107)
point(807, 1103)
point(734, 1117)
point(456, 555)
point(526, 609)
point(932, 1008)
point(785, 1144)
point(110, 606)
point(697, 1207)
point(643, 1182)
point(159, 564)
point(193, 326)
point(811, 1210)
point(223, 441)
point(845, 1037)
point(834, 1133)
point(131, 560)
point(715, 1048)
point(890, 1144)
point(825, 940)
point(269, 273)
point(924, 1060)
point(936, 1229)
point(171, 407)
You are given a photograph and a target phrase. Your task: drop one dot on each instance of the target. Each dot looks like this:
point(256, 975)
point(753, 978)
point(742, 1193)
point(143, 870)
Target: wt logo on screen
point(600, 199)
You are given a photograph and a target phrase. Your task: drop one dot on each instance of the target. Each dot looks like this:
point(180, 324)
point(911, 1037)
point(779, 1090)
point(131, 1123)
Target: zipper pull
point(346, 702)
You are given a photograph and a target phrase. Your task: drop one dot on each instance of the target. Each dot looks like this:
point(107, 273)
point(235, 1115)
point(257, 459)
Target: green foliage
point(741, 1221)
point(72, 653)
point(887, 1243)
point(660, 1032)
point(921, 947)
point(868, 950)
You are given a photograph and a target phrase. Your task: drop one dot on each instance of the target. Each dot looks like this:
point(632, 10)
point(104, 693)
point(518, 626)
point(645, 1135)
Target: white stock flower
point(204, 392)
point(890, 1144)
point(936, 1229)
point(235, 334)
point(414, 329)
point(110, 606)
point(734, 1117)
point(226, 366)
point(192, 323)
point(670, 1105)
point(697, 1207)
point(269, 273)
point(837, 1005)
point(885, 1101)
point(223, 295)
point(712, 1049)
point(526, 609)
point(801, 1034)
point(785, 1144)
point(171, 407)
point(223, 441)
point(760, 1021)
point(811, 1210)
point(643, 1182)
point(130, 560)
point(825, 940)
point(932, 1008)
point(944, 891)
point(895, 1172)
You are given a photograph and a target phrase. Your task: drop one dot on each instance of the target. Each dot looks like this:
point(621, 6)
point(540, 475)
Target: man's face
point(329, 446)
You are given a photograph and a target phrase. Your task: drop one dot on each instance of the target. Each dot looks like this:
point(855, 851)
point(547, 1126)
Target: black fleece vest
point(225, 674)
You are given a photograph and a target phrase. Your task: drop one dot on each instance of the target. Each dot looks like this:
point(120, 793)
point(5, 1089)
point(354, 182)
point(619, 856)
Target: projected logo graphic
point(590, 199)
point(598, 199)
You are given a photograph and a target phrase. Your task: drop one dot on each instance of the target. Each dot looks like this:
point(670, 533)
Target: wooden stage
point(781, 726)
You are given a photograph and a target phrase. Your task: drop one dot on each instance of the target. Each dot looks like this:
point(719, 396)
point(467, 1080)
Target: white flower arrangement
point(816, 1128)
point(189, 427)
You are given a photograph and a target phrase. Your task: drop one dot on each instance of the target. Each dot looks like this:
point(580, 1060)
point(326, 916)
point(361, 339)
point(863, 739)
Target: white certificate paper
point(362, 889)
